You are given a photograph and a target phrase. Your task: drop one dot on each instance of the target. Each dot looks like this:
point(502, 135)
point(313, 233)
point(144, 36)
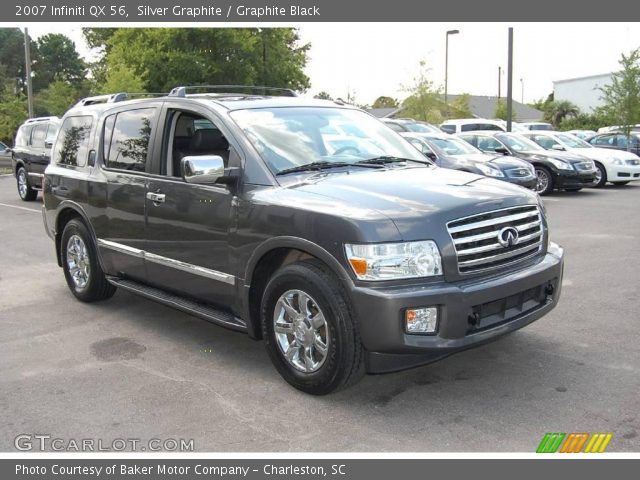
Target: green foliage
point(323, 96)
point(385, 102)
point(423, 102)
point(56, 58)
point(501, 110)
point(12, 54)
point(558, 111)
point(622, 96)
point(121, 78)
point(460, 107)
point(166, 57)
point(13, 111)
point(57, 98)
point(586, 121)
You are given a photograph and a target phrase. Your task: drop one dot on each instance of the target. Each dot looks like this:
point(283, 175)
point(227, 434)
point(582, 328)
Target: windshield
point(289, 137)
point(451, 146)
point(421, 128)
point(572, 142)
point(518, 143)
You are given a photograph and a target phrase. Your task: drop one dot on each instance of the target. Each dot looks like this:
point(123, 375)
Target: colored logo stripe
point(574, 442)
point(598, 443)
point(550, 442)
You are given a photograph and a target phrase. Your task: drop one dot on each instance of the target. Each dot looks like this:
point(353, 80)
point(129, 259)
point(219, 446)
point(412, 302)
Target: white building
point(583, 91)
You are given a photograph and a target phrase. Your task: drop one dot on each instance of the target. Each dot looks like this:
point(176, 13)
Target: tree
point(460, 107)
point(12, 55)
point(57, 98)
point(423, 102)
point(501, 110)
point(121, 78)
point(163, 58)
point(385, 102)
point(622, 95)
point(13, 111)
point(557, 111)
point(323, 96)
point(56, 58)
point(586, 121)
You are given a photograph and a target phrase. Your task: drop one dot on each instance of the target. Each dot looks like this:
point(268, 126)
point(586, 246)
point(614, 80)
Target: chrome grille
point(476, 238)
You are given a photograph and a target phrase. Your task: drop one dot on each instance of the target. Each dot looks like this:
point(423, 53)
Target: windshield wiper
point(318, 166)
point(384, 159)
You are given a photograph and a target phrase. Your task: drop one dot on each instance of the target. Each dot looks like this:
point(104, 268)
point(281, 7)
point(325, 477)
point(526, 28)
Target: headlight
point(392, 261)
point(617, 161)
point(561, 164)
point(490, 171)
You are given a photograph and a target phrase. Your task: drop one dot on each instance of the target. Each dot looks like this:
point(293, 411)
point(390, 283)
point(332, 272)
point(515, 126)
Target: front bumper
point(623, 173)
point(527, 182)
point(471, 313)
point(573, 179)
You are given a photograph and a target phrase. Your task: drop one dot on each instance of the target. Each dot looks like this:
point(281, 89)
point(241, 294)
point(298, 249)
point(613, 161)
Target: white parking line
point(6, 175)
point(19, 208)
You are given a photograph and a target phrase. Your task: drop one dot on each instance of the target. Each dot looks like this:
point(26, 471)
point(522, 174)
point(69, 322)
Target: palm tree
point(558, 111)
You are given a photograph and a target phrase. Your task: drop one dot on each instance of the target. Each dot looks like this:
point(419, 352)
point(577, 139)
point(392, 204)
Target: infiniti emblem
point(508, 237)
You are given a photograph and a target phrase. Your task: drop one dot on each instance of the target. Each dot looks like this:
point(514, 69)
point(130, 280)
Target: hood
point(531, 155)
point(507, 161)
point(418, 200)
point(605, 154)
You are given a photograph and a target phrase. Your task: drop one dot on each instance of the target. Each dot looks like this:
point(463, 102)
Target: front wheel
point(544, 184)
point(309, 330)
point(601, 176)
point(26, 192)
point(82, 270)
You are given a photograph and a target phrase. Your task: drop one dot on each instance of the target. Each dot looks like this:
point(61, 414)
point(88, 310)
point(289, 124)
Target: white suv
point(460, 125)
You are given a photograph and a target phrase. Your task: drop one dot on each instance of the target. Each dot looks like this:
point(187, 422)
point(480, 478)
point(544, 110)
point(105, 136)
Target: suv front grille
point(477, 238)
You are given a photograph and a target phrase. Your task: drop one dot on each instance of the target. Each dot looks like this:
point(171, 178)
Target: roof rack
point(40, 119)
point(114, 97)
point(235, 90)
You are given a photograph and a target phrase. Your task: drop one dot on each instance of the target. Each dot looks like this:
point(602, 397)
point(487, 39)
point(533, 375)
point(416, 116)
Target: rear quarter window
point(23, 136)
point(126, 139)
point(72, 143)
point(448, 128)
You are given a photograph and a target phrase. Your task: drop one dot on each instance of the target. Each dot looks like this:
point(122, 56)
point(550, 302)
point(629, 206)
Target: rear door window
point(469, 127)
point(127, 142)
point(23, 136)
point(72, 144)
point(38, 135)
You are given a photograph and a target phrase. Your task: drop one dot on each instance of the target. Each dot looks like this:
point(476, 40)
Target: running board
point(184, 304)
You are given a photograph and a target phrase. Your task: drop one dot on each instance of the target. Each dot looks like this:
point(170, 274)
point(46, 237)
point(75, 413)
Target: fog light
point(421, 320)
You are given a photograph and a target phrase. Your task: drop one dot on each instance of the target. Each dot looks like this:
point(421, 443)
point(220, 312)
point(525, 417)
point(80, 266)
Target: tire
point(545, 181)
point(26, 192)
point(601, 177)
point(343, 361)
point(620, 183)
point(82, 270)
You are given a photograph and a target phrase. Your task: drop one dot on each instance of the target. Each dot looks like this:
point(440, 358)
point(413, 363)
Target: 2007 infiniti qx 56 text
point(305, 223)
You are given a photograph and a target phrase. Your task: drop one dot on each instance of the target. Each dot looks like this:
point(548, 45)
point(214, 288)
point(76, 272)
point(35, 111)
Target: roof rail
point(225, 90)
point(40, 119)
point(114, 97)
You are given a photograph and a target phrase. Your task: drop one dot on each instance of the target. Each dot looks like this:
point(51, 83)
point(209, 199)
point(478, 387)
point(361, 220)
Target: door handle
point(156, 197)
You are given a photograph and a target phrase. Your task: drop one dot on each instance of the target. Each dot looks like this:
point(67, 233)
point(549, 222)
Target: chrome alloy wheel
point(301, 331)
point(78, 261)
point(598, 178)
point(543, 181)
point(22, 183)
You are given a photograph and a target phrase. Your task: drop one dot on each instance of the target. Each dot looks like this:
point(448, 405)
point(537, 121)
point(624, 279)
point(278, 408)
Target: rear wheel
point(619, 183)
point(601, 176)
point(26, 192)
point(544, 184)
point(309, 331)
point(82, 270)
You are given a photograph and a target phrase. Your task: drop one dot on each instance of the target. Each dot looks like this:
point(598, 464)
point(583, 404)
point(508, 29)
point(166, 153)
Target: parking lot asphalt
point(130, 368)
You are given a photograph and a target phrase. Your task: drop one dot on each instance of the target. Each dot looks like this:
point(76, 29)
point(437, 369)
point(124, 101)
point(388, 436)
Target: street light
point(522, 91)
point(446, 69)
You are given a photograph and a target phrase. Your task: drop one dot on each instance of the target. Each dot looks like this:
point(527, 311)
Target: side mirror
point(502, 150)
point(207, 170)
point(48, 144)
point(430, 155)
point(558, 147)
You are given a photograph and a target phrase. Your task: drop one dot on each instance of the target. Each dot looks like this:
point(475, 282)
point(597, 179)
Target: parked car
point(460, 125)
point(409, 125)
point(614, 128)
point(537, 126)
point(450, 152)
point(617, 141)
point(582, 134)
point(31, 154)
point(5, 155)
point(341, 262)
point(617, 167)
point(554, 170)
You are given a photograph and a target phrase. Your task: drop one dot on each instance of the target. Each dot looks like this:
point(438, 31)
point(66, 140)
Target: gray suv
point(308, 224)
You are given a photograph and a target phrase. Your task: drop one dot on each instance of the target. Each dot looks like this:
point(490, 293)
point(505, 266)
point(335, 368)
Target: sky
point(373, 59)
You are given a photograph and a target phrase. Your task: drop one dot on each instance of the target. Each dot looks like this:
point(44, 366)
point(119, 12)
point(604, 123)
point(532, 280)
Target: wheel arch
point(66, 212)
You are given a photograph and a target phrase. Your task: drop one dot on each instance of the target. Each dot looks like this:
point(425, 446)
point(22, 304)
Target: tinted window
point(489, 126)
point(52, 131)
point(606, 140)
point(489, 144)
point(72, 144)
point(448, 128)
point(469, 127)
point(38, 135)
point(129, 143)
point(22, 137)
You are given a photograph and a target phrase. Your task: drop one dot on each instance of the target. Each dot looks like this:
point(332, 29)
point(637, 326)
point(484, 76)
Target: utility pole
point(499, 80)
point(522, 91)
point(510, 82)
point(27, 60)
point(446, 70)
